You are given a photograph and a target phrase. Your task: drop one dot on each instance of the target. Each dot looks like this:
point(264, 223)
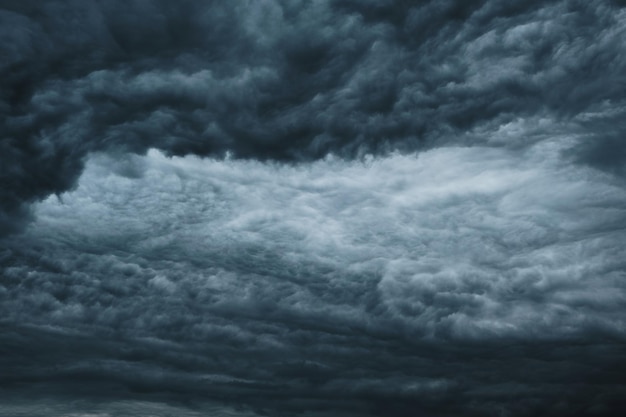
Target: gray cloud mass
point(312, 208)
point(295, 80)
point(439, 283)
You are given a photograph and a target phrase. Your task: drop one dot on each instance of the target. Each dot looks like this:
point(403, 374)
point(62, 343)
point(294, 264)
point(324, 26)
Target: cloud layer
point(458, 280)
point(297, 80)
point(312, 208)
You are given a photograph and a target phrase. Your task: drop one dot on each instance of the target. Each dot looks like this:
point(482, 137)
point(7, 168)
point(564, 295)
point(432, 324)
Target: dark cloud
point(313, 208)
point(455, 282)
point(602, 146)
point(288, 80)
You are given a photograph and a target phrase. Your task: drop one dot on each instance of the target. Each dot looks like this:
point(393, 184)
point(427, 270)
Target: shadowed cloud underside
point(312, 208)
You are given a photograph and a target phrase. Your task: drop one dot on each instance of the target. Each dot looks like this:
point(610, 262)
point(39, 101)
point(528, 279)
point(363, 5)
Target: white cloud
point(453, 242)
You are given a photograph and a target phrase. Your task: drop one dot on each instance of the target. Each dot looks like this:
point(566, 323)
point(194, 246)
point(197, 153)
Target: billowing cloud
point(313, 208)
point(297, 80)
point(481, 281)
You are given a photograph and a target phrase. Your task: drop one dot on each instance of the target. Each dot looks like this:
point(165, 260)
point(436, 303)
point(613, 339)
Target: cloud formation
point(297, 80)
point(474, 280)
point(312, 208)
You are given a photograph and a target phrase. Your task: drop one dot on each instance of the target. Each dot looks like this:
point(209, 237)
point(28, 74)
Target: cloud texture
point(296, 80)
point(456, 281)
point(312, 208)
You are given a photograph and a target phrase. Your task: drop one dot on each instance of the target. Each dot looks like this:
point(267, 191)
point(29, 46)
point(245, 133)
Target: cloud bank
point(458, 280)
point(297, 80)
point(312, 208)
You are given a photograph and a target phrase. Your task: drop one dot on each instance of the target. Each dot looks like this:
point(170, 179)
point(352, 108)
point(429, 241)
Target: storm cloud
point(297, 80)
point(456, 281)
point(314, 208)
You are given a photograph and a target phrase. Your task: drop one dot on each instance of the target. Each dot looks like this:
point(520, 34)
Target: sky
point(312, 208)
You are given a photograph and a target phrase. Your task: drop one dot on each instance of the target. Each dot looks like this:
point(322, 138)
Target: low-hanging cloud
point(312, 208)
point(296, 81)
point(477, 280)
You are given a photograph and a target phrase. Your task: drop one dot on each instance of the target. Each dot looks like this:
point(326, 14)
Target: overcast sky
point(312, 208)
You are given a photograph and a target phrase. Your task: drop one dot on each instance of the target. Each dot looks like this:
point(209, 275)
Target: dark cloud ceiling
point(405, 208)
point(294, 80)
